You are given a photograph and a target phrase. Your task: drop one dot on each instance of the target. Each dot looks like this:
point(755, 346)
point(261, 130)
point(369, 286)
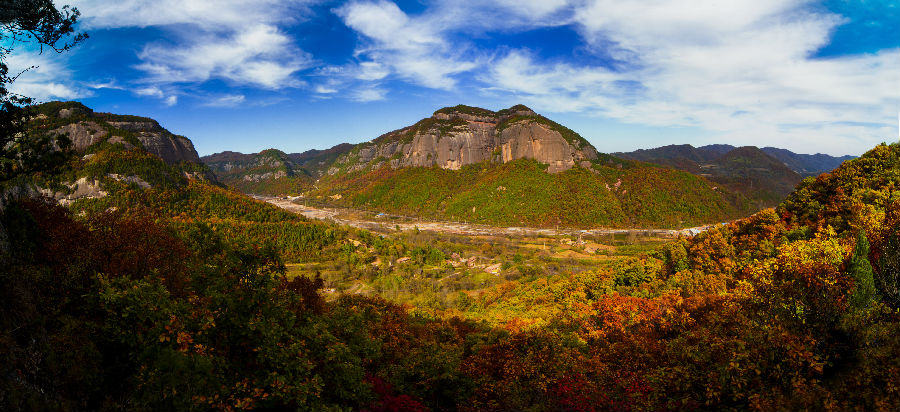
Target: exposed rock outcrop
point(83, 188)
point(83, 134)
point(171, 149)
point(86, 128)
point(457, 136)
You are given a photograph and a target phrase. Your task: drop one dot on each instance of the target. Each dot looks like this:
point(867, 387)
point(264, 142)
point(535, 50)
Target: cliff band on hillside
point(86, 128)
point(461, 135)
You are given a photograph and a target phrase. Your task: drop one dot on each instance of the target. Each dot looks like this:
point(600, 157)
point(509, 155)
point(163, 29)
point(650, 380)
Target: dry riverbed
point(383, 222)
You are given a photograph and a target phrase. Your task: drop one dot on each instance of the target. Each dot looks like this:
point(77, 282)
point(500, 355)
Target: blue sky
point(246, 75)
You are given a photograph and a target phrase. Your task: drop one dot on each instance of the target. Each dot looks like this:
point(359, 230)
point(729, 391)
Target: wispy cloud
point(359, 82)
point(204, 14)
point(745, 69)
point(169, 96)
point(239, 41)
point(411, 48)
point(43, 76)
point(259, 56)
point(369, 94)
point(152, 91)
point(229, 100)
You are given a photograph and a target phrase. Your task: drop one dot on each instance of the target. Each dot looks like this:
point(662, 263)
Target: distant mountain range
point(383, 173)
point(764, 175)
point(686, 157)
point(273, 171)
point(509, 167)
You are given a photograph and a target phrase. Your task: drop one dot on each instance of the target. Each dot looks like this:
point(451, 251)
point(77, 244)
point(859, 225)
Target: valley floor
point(381, 222)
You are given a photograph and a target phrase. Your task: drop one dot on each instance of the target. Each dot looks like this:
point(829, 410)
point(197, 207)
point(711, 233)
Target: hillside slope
point(457, 136)
point(273, 172)
point(807, 164)
point(514, 167)
point(521, 193)
point(764, 179)
point(89, 131)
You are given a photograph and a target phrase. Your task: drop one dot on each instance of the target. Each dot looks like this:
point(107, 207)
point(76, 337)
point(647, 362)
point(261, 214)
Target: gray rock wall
point(451, 146)
point(170, 148)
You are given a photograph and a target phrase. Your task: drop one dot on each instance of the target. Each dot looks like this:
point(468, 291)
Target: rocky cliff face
point(86, 128)
point(457, 136)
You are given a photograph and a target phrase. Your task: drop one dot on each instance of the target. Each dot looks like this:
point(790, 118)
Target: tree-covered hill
point(273, 172)
point(763, 176)
point(614, 193)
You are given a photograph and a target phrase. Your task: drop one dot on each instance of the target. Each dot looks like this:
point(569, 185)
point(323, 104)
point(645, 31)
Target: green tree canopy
point(861, 271)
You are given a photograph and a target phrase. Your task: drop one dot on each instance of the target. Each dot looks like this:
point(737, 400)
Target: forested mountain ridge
point(521, 193)
point(688, 157)
point(515, 167)
point(133, 166)
point(765, 176)
point(273, 172)
point(461, 150)
point(89, 131)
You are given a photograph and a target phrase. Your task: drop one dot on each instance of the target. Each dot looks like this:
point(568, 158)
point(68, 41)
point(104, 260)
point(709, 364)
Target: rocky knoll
point(462, 135)
point(85, 128)
point(108, 150)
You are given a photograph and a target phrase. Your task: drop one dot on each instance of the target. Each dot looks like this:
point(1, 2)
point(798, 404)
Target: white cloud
point(369, 94)
point(325, 89)
point(43, 77)
point(745, 71)
point(152, 91)
point(259, 55)
point(109, 84)
point(229, 100)
point(239, 41)
point(411, 48)
point(531, 9)
point(169, 97)
point(205, 14)
point(372, 71)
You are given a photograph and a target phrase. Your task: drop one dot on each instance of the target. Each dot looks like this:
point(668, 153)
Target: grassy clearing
point(468, 265)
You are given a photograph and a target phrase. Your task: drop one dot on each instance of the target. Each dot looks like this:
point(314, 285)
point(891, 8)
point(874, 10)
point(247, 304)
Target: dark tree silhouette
point(37, 24)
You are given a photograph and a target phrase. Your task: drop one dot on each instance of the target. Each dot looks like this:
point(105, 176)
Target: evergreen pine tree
point(888, 279)
point(861, 271)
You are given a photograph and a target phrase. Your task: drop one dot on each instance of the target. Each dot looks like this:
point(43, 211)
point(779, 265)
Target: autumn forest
point(136, 276)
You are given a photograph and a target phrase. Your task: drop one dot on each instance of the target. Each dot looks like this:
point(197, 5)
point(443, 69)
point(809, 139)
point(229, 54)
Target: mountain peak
point(461, 135)
point(89, 130)
point(519, 109)
point(461, 109)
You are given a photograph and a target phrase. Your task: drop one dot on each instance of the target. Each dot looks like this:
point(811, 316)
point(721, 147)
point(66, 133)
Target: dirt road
point(384, 222)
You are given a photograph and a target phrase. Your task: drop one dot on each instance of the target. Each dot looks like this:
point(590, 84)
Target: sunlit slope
point(521, 192)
